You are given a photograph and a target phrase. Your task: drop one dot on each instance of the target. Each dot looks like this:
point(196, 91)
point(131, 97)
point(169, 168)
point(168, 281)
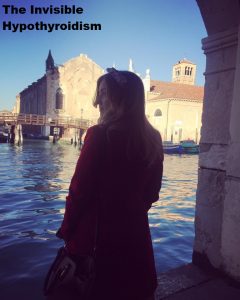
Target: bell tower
point(49, 62)
point(184, 72)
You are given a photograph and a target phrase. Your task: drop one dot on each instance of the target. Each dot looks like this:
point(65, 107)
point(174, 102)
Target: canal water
point(34, 180)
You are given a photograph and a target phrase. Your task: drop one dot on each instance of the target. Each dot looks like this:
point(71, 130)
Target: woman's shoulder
point(95, 133)
point(96, 130)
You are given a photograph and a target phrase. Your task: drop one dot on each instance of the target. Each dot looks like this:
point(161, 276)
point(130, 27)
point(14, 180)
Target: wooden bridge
point(32, 119)
point(13, 123)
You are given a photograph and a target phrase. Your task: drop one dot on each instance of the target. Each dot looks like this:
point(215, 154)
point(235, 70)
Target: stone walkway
point(189, 282)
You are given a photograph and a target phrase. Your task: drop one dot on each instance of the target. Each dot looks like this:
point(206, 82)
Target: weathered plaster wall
point(78, 78)
point(180, 119)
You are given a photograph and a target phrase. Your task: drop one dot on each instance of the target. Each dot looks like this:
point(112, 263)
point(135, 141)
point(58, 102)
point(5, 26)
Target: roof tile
point(175, 90)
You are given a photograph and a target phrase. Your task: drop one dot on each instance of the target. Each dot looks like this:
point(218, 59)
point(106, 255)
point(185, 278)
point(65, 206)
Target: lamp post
point(81, 115)
point(75, 129)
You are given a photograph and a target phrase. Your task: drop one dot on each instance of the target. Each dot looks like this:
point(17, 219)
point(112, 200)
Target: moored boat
point(170, 148)
point(185, 147)
point(4, 134)
point(189, 147)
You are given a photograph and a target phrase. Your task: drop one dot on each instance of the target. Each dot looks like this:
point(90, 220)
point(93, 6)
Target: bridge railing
point(8, 118)
point(34, 119)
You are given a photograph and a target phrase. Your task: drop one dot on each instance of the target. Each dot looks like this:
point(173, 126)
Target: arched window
point(158, 113)
point(59, 98)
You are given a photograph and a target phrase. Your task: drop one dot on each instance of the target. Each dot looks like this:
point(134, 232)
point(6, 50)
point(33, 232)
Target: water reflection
point(172, 218)
point(34, 181)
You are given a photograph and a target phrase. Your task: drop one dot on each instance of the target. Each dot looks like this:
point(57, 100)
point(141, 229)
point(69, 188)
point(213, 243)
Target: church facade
point(65, 91)
point(174, 108)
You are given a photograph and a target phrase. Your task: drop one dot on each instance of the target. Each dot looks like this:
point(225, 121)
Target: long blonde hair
point(125, 92)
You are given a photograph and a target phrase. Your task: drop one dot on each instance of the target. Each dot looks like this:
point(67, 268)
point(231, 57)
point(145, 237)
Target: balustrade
point(34, 119)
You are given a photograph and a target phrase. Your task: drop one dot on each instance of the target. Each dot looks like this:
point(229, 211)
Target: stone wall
point(231, 215)
point(52, 86)
point(33, 98)
point(77, 78)
point(217, 221)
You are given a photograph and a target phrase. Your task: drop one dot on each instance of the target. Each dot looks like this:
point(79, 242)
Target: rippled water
point(34, 180)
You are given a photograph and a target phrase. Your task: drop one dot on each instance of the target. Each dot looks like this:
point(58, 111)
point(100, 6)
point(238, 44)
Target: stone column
point(231, 214)
point(45, 130)
point(18, 135)
point(220, 50)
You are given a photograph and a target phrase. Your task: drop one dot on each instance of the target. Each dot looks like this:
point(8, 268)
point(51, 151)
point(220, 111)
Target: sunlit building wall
point(175, 108)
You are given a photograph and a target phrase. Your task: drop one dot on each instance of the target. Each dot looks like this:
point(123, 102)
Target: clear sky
point(154, 33)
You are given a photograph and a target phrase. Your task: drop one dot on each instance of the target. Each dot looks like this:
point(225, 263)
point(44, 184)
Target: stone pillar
point(12, 134)
point(18, 134)
point(231, 214)
point(220, 50)
point(46, 130)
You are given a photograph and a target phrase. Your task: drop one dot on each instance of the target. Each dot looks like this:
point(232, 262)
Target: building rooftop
point(5, 111)
point(172, 90)
point(184, 60)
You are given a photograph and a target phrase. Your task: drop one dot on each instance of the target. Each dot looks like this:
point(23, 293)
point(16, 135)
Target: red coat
point(124, 192)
